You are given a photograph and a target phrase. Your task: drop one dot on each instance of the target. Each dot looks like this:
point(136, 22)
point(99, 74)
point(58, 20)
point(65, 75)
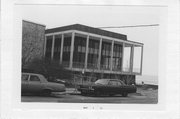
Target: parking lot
point(143, 96)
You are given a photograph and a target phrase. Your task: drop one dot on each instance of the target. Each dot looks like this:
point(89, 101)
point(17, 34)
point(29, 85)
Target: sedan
point(37, 83)
point(107, 87)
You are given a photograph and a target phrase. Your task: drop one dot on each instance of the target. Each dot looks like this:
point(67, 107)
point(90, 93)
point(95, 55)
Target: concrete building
point(87, 50)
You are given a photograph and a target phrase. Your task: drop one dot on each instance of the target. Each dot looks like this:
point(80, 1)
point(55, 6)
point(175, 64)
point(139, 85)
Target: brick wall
point(32, 41)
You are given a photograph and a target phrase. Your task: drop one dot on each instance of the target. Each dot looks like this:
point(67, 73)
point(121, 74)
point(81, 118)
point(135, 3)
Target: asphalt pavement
point(147, 96)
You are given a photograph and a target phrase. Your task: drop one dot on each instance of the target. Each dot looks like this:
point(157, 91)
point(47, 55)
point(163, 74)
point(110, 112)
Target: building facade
point(87, 50)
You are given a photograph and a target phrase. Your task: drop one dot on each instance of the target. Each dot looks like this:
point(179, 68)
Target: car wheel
point(47, 92)
point(124, 94)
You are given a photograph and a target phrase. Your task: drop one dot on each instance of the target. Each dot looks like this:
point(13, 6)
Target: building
point(33, 35)
point(86, 50)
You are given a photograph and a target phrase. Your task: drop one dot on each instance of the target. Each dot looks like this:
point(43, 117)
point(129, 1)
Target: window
point(79, 50)
point(24, 77)
point(106, 55)
point(48, 46)
point(34, 78)
point(66, 49)
point(137, 59)
point(113, 83)
point(93, 52)
point(126, 58)
point(57, 47)
point(117, 57)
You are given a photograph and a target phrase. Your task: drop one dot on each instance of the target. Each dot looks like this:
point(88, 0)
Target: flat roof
point(88, 29)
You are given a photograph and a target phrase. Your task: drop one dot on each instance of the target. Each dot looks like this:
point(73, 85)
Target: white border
point(11, 107)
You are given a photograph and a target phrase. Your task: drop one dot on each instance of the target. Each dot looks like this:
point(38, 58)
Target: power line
point(143, 25)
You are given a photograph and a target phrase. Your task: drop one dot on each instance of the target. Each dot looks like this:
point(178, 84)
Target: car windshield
point(101, 81)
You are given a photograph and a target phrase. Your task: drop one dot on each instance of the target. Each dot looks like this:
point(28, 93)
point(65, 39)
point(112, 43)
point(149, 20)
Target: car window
point(113, 83)
point(122, 83)
point(24, 77)
point(34, 78)
point(101, 81)
point(119, 83)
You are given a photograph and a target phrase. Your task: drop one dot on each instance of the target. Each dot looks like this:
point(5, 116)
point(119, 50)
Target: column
point(141, 59)
point(72, 50)
point(52, 49)
point(62, 44)
point(45, 46)
point(99, 56)
point(131, 58)
point(122, 57)
point(87, 49)
point(112, 48)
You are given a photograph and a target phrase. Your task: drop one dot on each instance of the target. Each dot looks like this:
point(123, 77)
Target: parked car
point(107, 87)
point(37, 83)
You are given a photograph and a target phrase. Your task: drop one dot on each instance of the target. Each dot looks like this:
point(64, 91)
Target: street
point(141, 97)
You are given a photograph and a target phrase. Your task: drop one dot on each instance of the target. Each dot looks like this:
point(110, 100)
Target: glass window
point(34, 78)
point(93, 52)
point(137, 59)
point(126, 58)
point(24, 77)
point(79, 50)
point(117, 57)
point(48, 46)
point(66, 49)
point(102, 81)
point(57, 47)
point(113, 83)
point(105, 55)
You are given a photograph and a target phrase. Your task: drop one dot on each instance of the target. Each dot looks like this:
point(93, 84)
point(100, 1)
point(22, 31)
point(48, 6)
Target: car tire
point(124, 94)
point(46, 92)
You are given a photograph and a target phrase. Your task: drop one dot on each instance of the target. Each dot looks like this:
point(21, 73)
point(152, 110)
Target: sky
point(105, 16)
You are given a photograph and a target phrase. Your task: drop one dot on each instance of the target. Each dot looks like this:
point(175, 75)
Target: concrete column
point(52, 49)
point(141, 59)
point(45, 46)
point(62, 46)
point(122, 57)
point(72, 50)
point(131, 58)
point(111, 61)
point(87, 49)
point(99, 56)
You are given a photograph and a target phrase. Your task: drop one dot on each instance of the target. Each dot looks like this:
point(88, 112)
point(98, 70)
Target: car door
point(24, 83)
point(34, 84)
point(121, 87)
point(113, 86)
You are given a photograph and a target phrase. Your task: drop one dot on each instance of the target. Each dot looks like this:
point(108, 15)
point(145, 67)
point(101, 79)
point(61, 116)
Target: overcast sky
point(103, 16)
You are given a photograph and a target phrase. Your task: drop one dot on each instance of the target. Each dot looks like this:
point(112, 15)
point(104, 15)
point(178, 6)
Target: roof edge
point(34, 22)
